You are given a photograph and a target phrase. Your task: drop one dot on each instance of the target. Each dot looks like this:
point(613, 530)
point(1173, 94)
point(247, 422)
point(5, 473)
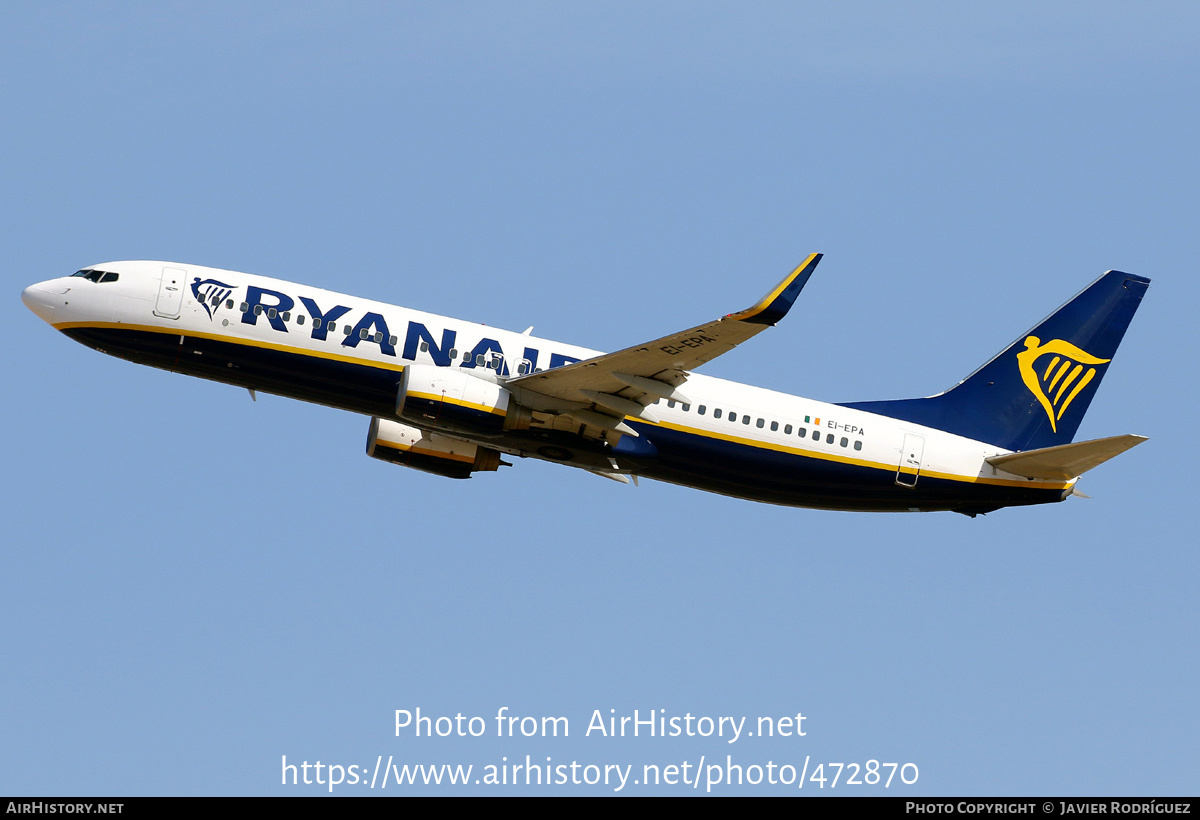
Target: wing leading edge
point(621, 384)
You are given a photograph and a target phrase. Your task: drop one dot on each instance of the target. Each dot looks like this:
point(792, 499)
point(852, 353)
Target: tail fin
point(1035, 392)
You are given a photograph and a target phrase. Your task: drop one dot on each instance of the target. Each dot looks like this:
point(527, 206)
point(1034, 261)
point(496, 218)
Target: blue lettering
point(374, 325)
point(530, 355)
point(254, 298)
point(418, 333)
point(559, 359)
point(324, 319)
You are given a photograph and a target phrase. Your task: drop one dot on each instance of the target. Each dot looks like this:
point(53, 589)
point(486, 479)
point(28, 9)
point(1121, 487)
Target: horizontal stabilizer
point(1065, 461)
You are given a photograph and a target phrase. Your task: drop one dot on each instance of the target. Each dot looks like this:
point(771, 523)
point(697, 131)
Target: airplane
point(453, 398)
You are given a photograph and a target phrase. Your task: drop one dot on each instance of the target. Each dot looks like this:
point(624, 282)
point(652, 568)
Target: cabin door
point(170, 293)
point(910, 460)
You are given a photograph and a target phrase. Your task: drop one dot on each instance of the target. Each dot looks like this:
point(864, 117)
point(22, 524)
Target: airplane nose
point(31, 296)
point(41, 299)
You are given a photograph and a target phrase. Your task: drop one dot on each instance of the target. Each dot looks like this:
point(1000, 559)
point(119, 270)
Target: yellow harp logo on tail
point(1058, 380)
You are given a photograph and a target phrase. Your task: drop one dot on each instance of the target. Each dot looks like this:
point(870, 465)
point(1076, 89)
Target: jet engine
point(431, 452)
point(443, 398)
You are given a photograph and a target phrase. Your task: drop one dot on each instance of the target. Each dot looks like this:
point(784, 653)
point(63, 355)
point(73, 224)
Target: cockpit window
point(96, 275)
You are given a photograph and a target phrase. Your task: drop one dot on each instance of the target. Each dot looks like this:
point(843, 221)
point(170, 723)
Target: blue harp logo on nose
point(210, 293)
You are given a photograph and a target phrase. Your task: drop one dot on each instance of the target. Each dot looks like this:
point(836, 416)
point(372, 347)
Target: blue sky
point(198, 585)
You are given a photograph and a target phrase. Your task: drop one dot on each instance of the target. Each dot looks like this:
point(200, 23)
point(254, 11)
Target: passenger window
point(287, 316)
point(774, 426)
point(733, 417)
point(245, 306)
point(229, 304)
point(379, 338)
point(214, 301)
point(258, 310)
point(316, 324)
point(453, 350)
point(685, 407)
point(392, 341)
point(272, 313)
point(717, 413)
point(787, 429)
point(346, 329)
point(362, 333)
point(829, 438)
point(670, 403)
point(299, 318)
point(759, 424)
point(844, 442)
point(424, 347)
point(701, 409)
point(479, 360)
point(858, 445)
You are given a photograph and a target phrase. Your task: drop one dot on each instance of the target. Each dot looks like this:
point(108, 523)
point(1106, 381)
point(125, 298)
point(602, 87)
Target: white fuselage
point(312, 344)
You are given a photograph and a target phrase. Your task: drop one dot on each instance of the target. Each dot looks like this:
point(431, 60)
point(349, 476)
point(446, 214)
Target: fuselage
point(315, 345)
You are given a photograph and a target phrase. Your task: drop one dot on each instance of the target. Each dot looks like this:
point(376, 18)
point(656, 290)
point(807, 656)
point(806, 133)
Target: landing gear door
point(170, 293)
point(910, 460)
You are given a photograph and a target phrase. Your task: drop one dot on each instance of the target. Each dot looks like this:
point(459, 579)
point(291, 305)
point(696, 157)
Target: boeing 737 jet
point(453, 398)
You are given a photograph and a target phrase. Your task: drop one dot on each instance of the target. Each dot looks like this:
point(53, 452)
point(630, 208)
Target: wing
point(622, 384)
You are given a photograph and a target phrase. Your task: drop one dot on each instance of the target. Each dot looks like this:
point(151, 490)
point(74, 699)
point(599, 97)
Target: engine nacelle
point(451, 399)
point(400, 444)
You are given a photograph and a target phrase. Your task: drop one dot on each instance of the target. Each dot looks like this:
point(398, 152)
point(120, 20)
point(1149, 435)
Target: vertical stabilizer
point(1035, 392)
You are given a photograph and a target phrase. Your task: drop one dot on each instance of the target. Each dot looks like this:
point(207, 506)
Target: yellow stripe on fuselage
point(235, 340)
point(857, 462)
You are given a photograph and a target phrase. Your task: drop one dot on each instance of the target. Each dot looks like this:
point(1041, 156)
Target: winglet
point(775, 305)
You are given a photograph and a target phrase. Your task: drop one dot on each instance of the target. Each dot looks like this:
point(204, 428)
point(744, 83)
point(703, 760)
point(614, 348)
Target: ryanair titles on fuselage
point(372, 328)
